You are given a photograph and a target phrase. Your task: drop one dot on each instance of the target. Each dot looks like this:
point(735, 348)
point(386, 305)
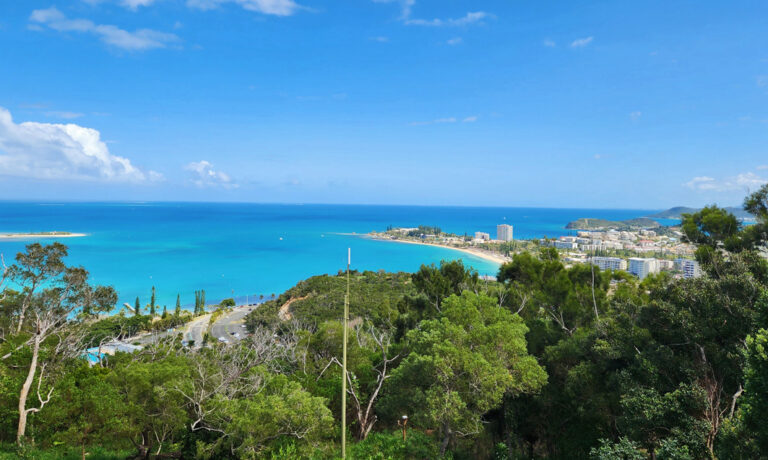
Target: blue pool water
point(250, 249)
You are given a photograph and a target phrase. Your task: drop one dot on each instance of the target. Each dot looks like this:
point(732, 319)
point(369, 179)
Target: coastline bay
point(256, 249)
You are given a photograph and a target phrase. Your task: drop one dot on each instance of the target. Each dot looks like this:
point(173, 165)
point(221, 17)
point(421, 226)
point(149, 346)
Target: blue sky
point(506, 103)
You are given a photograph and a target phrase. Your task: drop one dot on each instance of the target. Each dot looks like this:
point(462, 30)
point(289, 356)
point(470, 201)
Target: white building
point(565, 245)
point(609, 263)
point(690, 268)
point(504, 232)
point(482, 236)
point(642, 267)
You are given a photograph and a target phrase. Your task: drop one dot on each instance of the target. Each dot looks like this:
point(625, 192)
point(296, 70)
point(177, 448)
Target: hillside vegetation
point(549, 361)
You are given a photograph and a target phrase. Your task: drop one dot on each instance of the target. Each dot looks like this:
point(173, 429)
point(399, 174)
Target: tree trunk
point(25, 392)
point(446, 439)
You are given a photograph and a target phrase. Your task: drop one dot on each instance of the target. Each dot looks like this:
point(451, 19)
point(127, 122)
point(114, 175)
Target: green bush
point(390, 446)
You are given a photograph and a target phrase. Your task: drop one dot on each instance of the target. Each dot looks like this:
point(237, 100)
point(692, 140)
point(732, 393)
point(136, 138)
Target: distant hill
point(678, 211)
point(597, 224)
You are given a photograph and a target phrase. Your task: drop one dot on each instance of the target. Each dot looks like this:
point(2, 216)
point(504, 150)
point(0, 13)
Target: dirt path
point(284, 313)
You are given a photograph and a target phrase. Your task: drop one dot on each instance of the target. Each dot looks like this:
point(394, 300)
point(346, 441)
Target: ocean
point(244, 250)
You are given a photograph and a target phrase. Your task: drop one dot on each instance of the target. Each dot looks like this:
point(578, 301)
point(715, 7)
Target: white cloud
point(273, 7)
point(406, 8)
point(762, 167)
point(467, 19)
point(135, 4)
point(597, 156)
point(581, 42)
point(203, 175)
point(65, 115)
point(634, 116)
point(762, 80)
point(438, 121)
point(61, 151)
point(380, 39)
point(454, 41)
point(141, 39)
point(549, 43)
point(743, 181)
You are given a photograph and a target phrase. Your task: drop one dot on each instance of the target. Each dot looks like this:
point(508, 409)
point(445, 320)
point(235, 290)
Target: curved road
point(231, 323)
point(195, 330)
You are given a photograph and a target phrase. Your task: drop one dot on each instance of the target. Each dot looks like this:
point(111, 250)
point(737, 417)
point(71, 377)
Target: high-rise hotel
point(504, 232)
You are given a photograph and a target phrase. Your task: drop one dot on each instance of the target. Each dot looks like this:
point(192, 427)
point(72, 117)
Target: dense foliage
point(549, 361)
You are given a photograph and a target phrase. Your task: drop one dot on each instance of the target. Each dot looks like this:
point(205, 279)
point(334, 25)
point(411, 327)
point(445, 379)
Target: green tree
point(437, 283)
point(462, 363)
point(86, 410)
point(282, 410)
point(137, 307)
point(178, 305)
point(57, 298)
point(755, 404)
point(227, 303)
point(157, 415)
point(152, 303)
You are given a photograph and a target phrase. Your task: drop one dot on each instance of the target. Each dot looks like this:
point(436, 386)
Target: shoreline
point(480, 253)
point(27, 236)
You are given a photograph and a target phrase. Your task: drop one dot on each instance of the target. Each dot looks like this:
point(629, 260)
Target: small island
point(35, 235)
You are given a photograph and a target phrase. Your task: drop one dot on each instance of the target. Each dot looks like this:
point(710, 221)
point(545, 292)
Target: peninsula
point(602, 224)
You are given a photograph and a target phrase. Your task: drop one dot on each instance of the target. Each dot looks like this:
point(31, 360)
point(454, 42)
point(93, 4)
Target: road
point(231, 323)
point(195, 330)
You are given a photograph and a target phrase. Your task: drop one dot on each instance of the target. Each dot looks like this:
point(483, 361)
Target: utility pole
point(344, 365)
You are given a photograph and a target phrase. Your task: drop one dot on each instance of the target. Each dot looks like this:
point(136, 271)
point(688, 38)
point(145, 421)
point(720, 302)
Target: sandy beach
point(27, 236)
point(483, 254)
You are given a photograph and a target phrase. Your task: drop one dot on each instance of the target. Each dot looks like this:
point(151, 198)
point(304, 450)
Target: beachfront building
point(560, 244)
point(690, 268)
point(642, 267)
point(609, 263)
point(482, 236)
point(504, 232)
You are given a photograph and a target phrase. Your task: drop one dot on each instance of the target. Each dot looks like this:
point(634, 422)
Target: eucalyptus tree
point(56, 299)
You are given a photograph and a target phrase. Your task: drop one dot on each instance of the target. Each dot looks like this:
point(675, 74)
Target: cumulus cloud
point(634, 116)
point(743, 181)
point(138, 40)
point(454, 41)
point(61, 151)
point(203, 175)
point(581, 42)
point(549, 43)
point(273, 7)
point(762, 167)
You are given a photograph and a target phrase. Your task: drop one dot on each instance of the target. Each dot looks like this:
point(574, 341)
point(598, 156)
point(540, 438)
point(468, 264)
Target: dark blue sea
point(246, 250)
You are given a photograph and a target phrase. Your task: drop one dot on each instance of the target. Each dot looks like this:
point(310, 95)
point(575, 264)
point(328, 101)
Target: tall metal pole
point(344, 366)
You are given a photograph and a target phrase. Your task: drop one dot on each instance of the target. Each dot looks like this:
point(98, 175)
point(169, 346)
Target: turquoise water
point(256, 249)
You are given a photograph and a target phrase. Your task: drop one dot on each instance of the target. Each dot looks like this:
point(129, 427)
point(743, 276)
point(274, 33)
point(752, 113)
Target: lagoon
point(246, 250)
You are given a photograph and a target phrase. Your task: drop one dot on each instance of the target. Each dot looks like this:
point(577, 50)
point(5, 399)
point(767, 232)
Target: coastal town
point(641, 252)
